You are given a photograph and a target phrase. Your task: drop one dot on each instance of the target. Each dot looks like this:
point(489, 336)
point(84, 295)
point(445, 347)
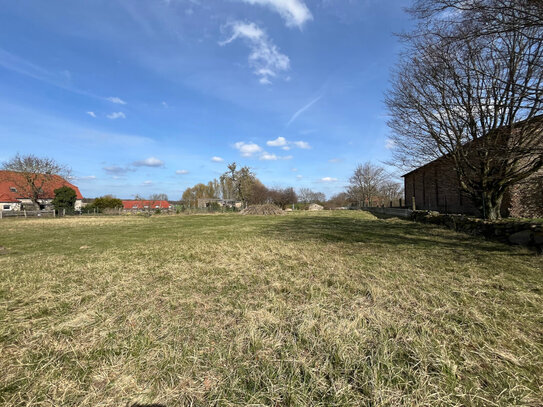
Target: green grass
point(330, 309)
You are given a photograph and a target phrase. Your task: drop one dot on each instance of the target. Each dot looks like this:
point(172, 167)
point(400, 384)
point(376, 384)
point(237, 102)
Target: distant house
point(142, 205)
point(228, 203)
point(15, 195)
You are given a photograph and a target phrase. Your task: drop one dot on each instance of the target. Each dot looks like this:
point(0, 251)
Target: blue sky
point(152, 96)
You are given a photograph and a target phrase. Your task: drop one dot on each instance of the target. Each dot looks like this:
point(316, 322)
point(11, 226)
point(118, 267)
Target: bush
point(65, 198)
point(105, 202)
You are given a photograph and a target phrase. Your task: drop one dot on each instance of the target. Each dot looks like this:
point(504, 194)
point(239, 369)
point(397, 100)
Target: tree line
point(370, 185)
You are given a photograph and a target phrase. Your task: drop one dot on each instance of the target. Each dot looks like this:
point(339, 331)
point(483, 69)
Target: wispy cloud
point(147, 183)
point(92, 114)
point(182, 172)
point(294, 12)
point(335, 160)
point(116, 170)
point(247, 149)
point(265, 58)
point(328, 179)
point(390, 144)
point(116, 115)
point(149, 162)
point(116, 100)
point(302, 144)
point(83, 178)
point(303, 109)
point(216, 159)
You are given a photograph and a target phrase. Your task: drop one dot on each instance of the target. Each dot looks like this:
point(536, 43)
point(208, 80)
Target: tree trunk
point(491, 206)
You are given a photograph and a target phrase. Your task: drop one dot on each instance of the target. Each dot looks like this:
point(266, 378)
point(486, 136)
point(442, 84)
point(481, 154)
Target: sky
point(154, 96)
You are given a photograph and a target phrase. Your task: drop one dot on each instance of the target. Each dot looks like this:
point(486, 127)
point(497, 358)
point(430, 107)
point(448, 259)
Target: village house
point(223, 203)
point(145, 205)
point(15, 195)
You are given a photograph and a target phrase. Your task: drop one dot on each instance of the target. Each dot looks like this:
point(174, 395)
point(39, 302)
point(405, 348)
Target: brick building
point(435, 187)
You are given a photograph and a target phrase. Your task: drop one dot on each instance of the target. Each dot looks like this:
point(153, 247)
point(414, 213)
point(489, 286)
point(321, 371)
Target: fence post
point(414, 204)
point(25, 213)
point(1, 213)
point(63, 212)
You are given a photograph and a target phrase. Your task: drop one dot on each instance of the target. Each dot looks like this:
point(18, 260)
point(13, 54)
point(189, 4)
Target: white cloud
point(328, 179)
point(294, 12)
point(335, 160)
point(302, 144)
point(116, 115)
point(147, 183)
point(299, 176)
point(294, 169)
point(265, 58)
point(247, 149)
point(390, 144)
point(268, 157)
point(286, 145)
point(303, 109)
point(278, 142)
point(92, 114)
point(217, 159)
point(272, 157)
point(165, 104)
point(149, 162)
point(181, 172)
point(116, 100)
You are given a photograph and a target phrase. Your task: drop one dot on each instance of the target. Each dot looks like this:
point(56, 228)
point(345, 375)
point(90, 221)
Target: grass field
point(331, 308)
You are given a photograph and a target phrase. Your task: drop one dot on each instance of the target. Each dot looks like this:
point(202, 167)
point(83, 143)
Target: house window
point(135, 207)
point(7, 207)
point(158, 206)
point(13, 189)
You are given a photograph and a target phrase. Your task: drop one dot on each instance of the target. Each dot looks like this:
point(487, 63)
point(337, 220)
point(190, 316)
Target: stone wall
point(518, 232)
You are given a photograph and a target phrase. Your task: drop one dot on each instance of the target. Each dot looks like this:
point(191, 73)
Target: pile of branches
point(266, 209)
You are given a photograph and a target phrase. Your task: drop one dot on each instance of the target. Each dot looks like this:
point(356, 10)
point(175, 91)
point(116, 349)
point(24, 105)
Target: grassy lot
point(303, 309)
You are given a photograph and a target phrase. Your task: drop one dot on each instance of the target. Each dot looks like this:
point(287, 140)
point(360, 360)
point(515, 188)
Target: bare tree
point(474, 96)
point(365, 183)
point(391, 191)
point(239, 182)
point(306, 195)
point(34, 174)
point(158, 197)
point(487, 17)
point(283, 197)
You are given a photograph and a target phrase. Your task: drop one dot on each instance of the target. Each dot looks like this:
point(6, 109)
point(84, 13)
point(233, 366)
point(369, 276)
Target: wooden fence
point(27, 214)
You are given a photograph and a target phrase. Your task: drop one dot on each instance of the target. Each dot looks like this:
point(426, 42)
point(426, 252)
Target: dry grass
point(325, 308)
point(266, 209)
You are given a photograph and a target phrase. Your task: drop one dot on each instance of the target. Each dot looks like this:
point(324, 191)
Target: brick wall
point(435, 187)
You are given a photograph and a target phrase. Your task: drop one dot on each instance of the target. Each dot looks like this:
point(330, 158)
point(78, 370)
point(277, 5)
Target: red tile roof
point(13, 187)
point(146, 204)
